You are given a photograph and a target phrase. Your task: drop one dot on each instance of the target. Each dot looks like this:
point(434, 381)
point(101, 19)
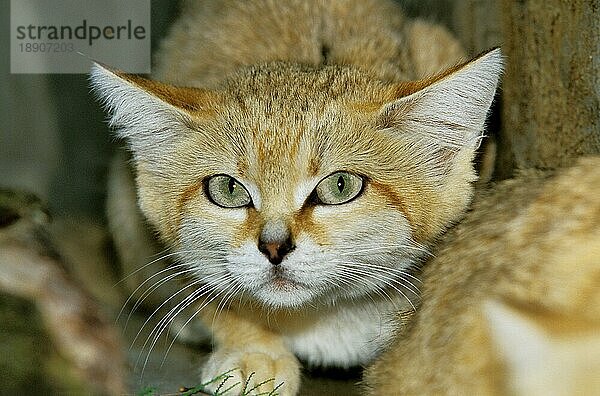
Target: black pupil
point(231, 186)
point(341, 183)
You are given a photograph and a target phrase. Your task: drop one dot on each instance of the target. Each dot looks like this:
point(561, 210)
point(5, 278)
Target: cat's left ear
point(445, 115)
point(150, 116)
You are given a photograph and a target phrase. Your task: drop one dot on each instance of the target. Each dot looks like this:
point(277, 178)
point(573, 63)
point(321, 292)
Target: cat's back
point(214, 38)
point(519, 272)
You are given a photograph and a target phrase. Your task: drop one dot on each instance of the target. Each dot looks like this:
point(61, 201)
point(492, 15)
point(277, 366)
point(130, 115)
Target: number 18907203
point(46, 47)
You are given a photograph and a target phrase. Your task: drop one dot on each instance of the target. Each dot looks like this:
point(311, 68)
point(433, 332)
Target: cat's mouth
point(279, 280)
point(280, 288)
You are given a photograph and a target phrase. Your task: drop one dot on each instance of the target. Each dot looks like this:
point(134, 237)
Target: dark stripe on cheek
point(186, 196)
point(249, 229)
point(393, 199)
point(303, 221)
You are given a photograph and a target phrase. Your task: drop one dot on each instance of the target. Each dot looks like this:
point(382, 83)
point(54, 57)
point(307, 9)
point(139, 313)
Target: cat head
point(292, 184)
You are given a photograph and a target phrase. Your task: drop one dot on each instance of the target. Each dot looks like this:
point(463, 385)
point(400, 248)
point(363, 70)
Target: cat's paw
point(254, 371)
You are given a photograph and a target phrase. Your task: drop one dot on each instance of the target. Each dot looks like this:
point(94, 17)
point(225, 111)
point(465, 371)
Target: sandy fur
point(280, 95)
point(526, 257)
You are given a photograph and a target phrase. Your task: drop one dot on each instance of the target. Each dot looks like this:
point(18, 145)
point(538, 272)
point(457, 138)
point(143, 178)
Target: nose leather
point(276, 251)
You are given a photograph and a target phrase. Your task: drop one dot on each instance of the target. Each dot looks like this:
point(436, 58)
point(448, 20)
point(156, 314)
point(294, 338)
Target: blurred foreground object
point(58, 340)
point(511, 302)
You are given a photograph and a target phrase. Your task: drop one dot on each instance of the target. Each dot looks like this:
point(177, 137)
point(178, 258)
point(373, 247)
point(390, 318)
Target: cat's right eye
point(225, 191)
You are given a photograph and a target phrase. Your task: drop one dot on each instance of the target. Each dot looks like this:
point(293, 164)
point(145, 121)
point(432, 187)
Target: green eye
point(227, 192)
point(339, 188)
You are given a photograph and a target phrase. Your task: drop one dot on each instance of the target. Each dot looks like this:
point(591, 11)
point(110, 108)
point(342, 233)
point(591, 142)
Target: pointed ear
point(445, 115)
point(149, 115)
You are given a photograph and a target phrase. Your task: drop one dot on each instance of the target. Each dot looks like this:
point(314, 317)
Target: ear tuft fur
point(146, 122)
point(447, 114)
point(148, 114)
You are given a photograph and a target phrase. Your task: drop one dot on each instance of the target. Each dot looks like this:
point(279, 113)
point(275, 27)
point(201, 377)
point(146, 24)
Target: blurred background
point(54, 141)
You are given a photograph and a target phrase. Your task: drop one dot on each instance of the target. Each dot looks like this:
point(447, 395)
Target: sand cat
point(511, 303)
point(299, 159)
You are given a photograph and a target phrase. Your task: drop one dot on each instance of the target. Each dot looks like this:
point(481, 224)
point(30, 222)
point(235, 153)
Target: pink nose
point(272, 249)
point(276, 251)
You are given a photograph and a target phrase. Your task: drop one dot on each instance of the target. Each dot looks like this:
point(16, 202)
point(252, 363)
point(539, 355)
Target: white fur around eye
point(304, 190)
point(254, 193)
point(237, 214)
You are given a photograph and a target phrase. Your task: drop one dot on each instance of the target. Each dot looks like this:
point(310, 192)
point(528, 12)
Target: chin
point(283, 294)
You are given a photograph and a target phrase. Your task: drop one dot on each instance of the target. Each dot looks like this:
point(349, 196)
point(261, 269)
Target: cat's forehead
point(302, 86)
point(298, 141)
point(282, 110)
point(276, 152)
point(284, 128)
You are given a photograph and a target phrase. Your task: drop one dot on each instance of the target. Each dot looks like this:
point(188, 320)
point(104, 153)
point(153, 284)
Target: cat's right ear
point(149, 115)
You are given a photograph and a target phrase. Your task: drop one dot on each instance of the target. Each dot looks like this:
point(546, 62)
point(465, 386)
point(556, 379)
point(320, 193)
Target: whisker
point(204, 304)
point(398, 271)
point(162, 258)
point(168, 318)
point(162, 281)
point(194, 283)
point(386, 280)
point(155, 286)
point(170, 268)
point(225, 299)
point(144, 266)
point(420, 248)
point(177, 309)
point(355, 278)
point(383, 272)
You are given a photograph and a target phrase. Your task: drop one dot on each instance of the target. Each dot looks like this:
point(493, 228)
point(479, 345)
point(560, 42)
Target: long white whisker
point(192, 284)
point(204, 304)
point(384, 272)
point(397, 271)
point(354, 277)
point(133, 293)
point(162, 281)
point(168, 318)
point(162, 258)
point(225, 299)
point(144, 266)
point(187, 301)
point(170, 268)
point(388, 281)
point(155, 286)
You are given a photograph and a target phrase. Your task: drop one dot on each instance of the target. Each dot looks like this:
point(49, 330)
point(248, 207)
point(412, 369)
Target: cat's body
point(511, 303)
point(304, 178)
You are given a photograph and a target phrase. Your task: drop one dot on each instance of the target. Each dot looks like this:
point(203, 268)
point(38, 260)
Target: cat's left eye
point(225, 191)
point(339, 188)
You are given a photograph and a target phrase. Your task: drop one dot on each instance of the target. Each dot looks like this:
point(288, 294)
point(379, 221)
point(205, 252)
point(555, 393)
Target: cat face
point(293, 185)
point(298, 208)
